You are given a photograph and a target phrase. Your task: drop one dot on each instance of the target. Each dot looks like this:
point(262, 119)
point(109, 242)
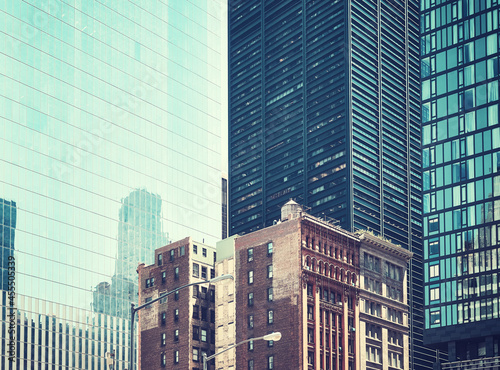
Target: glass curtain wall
point(110, 142)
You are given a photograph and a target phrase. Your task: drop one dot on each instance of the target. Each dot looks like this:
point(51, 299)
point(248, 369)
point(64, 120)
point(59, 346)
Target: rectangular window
point(269, 248)
point(434, 294)
point(176, 335)
point(250, 345)
point(203, 272)
point(163, 277)
point(176, 273)
point(172, 255)
point(196, 354)
point(270, 362)
point(250, 363)
point(176, 314)
point(160, 257)
point(163, 360)
point(310, 313)
point(204, 313)
point(270, 316)
point(270, 271)
point(163, 318)
point(250, 321)
point(195, 249)
point(196, 270)
point(196, 312)
point(250, 277)
point(176, 357)
point(176, 295)
point(163, 339)
point(204, 252)
point(250, 299)
point(270, 294)
point(250, 254)
point(434, 271)
point(203, 335)
point(182, 251)
point(196, 333)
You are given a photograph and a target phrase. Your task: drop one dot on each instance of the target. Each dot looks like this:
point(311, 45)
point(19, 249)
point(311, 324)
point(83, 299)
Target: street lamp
point(134, 309)
point(276, 336)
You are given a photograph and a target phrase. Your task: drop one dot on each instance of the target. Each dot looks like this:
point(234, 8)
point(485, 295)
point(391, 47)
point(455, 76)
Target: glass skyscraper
point(110, 145)
point(324, 108)
point(461, 179)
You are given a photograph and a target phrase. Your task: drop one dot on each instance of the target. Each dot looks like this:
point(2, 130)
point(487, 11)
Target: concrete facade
point(383, 319)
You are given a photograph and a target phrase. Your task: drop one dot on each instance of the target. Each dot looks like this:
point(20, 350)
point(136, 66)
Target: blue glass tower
point(324, 108)
point(110, 140)
point(461, 182)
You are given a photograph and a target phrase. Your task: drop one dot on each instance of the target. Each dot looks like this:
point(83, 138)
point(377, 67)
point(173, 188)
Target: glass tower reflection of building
point(110, 144)
point(324, 108)
point(461, 178)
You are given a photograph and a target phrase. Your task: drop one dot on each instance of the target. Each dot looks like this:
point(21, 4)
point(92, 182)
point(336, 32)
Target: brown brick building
point(301, 277)
point(174, 334)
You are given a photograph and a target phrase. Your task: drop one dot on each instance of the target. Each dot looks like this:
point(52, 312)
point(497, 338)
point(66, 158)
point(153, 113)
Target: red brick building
point(175, 334)
point(298, 277)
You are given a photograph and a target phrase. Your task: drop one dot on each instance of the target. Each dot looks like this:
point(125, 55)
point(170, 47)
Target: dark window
point(163, 277)
point(250, 321)
point(196, 332)
point(250, 277)
point(204, 252)
point(203, 272)
point(176, 295)
point(176, 357)
point(250, 362)
point(160, 257)
point(176, 335)
point(270, 316)
point(204, 313)
point(270, 294)
point(212, 273)
point(176, 273)
point(163, 339)
point(250, 299)
point(212, 316)
point(196, 270)
point(172, 255)
point(196, 312)
point(195, 249)
point(250, 345)
point(176, 314)
point(163, 318)
point(182, 251)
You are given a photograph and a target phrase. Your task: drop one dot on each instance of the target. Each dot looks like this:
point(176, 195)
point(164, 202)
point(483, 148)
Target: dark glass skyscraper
point(324, 108)
point(461, 179)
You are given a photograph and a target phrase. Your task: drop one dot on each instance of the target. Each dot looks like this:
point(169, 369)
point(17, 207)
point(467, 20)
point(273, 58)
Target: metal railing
point(480, 363)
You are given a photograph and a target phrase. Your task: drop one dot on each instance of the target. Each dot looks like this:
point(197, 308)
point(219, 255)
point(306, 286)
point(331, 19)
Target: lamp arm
point(231, 347)
point(168, 293)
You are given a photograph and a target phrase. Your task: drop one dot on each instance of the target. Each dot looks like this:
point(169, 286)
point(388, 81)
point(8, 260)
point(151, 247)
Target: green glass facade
point(460, 43)
point(110, 145)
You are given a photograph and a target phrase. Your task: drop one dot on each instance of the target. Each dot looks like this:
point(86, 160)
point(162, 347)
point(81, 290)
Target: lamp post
point(276, 336)
point(134, 309)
